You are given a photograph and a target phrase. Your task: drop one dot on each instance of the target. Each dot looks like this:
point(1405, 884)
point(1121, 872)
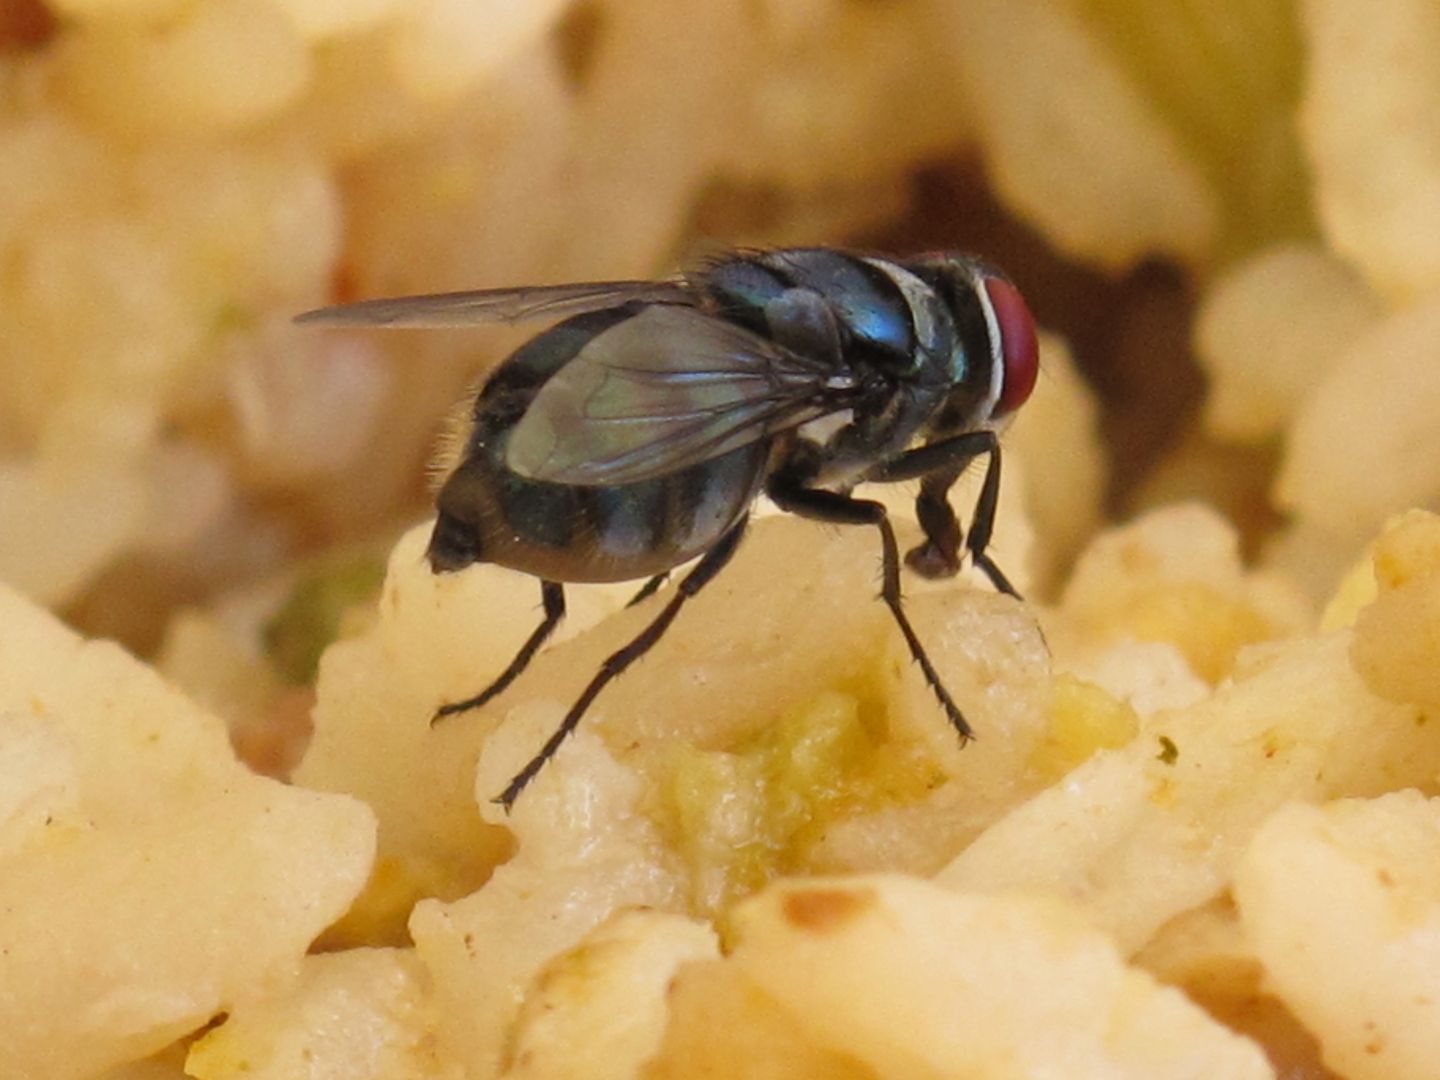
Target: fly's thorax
point(874, 319)
point(857, 312)
point(821, 431)
point(830, 450)
point(842, 447)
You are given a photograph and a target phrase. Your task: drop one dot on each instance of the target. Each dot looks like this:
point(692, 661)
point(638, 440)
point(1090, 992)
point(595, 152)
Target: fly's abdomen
point(565, 532)
point(573, 532)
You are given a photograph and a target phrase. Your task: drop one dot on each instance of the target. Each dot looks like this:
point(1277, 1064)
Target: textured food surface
point(1197, 832)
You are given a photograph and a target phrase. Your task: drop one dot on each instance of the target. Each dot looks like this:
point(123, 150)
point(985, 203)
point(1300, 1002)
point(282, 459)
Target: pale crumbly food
point(131, 837)
point(1197, 833)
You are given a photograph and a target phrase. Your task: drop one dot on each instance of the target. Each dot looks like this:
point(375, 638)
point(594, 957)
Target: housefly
point(634, 434)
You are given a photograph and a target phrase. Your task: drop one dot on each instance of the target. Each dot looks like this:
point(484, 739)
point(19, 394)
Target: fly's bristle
point(450, 443)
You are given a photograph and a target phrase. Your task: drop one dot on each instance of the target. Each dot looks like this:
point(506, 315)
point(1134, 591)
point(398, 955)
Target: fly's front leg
point(821, 505)
point(938, 466)
point(552, 595)
point(710, 564)
point(982, 522)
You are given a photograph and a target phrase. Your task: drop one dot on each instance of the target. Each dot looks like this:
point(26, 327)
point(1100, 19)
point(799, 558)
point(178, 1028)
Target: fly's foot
point(455, 708)
point(930, 560)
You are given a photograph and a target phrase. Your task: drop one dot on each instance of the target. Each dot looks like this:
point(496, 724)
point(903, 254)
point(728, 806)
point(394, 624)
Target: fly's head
point(996, 355)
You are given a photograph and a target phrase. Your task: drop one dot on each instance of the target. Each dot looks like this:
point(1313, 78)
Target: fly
point(635, 434)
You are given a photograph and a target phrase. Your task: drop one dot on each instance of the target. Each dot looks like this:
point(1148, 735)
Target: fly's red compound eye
point(1019, 349)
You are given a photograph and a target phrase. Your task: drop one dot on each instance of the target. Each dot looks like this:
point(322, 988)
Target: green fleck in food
point(317, 611)
point(1169, 752)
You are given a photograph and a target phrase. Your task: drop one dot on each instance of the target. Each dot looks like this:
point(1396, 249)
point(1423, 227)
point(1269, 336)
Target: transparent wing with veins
point(667, 388)
point(461, 309)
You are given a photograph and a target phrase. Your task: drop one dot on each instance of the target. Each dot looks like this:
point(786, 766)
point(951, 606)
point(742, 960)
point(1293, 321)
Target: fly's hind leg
point(938, 466)
point(821, 505)
point(649, 589)
point(552, 595)
point(710, 564)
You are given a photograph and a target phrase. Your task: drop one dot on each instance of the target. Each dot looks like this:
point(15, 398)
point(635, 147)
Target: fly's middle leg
point(938, 466)
point(552, 595)
point(939, 555)
point(821, 505)
point(710, 564)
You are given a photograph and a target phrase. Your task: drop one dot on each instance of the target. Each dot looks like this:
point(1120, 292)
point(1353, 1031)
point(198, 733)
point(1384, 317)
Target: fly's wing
point(667, 388)
point(460, 309)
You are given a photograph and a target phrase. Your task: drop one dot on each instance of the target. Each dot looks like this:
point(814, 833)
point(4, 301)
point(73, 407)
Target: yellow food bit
point(1356, 589)
point(1207, 626)
point(1397, 635)
point(380, 913)
point(216, 1055)
point(1408, 549)
point(1083, 719)
point(738, 817)
point(1396, 649)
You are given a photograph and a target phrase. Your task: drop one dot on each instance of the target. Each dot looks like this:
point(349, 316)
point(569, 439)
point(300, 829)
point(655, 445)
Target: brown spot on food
point(824, 911)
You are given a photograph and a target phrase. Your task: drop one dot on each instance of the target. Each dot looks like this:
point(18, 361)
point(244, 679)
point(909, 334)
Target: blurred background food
point(1225, 215)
